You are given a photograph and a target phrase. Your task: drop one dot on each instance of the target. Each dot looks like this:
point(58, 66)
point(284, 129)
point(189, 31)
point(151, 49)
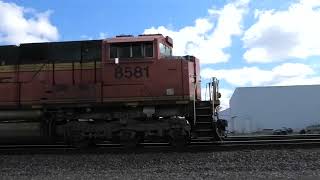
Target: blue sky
point(242, 42)
point(75, 18)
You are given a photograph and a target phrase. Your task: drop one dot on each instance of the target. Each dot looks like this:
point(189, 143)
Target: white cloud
point(22, 25)
point(86, 37)
point(103, 35)
point(208, 38)
point(225, 96)
point(281, 35)
point(284, 74)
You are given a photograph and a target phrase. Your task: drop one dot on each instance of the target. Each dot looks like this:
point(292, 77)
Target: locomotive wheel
point(129, 139)
point(178, 140)
point(82, 144)
point(129, 144)
point(78, 141)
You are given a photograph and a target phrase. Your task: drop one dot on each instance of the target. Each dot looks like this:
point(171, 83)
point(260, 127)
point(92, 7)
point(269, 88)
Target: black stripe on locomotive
point(58, 52)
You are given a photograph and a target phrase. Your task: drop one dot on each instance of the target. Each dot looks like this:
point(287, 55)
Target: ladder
point(205, 126)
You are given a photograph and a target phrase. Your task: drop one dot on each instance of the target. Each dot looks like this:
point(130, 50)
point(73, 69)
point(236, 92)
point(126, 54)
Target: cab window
point(165, 50)
point(124, 51)
point(131, 50)
point(137, 50)
point(148, 50)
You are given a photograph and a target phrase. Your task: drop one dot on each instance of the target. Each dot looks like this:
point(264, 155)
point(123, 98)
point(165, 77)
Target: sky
point(241, 42)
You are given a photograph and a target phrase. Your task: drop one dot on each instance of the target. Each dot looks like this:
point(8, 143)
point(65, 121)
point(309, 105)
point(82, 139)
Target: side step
point(204, 126)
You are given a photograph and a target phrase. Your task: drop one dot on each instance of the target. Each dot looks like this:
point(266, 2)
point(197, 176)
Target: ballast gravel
point(246, 164)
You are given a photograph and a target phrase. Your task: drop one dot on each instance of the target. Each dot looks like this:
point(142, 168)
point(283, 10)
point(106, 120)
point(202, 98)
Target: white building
point(257, 108)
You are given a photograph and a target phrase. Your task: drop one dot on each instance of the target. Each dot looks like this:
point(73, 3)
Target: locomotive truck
point(124, 89)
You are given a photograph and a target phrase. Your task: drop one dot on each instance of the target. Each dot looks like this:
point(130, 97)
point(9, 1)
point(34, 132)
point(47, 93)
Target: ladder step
point(204, 104)
point(203, 130)
point(203, 115)
point(206, 107)
point(204, 111)
point(204, 119)
point(203, 125)
point(203, 122)
point(202, 139)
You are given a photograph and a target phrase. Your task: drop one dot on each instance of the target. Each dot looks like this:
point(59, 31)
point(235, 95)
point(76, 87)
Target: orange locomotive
point(124, 89)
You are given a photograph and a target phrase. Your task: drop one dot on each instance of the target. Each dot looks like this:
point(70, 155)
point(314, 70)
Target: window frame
point(167, 50)
point(142, 44)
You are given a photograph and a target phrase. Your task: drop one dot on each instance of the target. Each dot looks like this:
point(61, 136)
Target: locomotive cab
point(143, 47)
point(141, 69)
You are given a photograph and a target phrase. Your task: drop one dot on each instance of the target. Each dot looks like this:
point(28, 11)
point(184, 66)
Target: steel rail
point(273, 137)
point(163, 147)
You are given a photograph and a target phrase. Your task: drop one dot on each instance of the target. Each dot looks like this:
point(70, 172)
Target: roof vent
point(124, 35)
point(150, 35)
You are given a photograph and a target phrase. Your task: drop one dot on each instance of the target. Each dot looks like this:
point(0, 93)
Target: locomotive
point(126, 89)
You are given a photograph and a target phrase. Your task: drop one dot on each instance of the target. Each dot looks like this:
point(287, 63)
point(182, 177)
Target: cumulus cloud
point(103, 35)
point(209, 36)
point(285, 34)
point(225, 96)
point(23, 25)
point(86, 37)
point(284, 74)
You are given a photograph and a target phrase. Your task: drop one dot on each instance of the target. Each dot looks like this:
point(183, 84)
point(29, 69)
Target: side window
point(165, 50)
point(131, 50)
point(137, 50)
point(113, 51)
point(148, 48)
point(124, 51)
point(162, 48)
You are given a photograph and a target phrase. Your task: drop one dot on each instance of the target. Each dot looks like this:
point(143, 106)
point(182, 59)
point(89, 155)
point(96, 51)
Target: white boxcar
point(257, 108)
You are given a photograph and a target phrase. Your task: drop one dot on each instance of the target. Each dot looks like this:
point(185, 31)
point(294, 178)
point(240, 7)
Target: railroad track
point(229, 145)
point(273, 137)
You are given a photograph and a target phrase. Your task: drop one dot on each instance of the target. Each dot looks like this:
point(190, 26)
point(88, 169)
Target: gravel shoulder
point(249, 164)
